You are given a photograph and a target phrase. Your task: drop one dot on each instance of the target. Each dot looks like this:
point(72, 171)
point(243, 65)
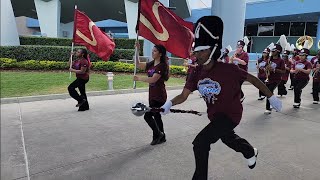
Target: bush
point(177, 70)
point(58, 65)
point(121, 43)
point(45, 41)
point(60, 53)
point(6, 63)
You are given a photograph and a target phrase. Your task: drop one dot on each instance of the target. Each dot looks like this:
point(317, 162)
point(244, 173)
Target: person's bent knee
point(200, 144)
point(148, 116)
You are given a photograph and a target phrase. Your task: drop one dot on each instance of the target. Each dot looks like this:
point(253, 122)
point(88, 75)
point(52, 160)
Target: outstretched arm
point(258, 84)
point(177, 100)
point(181, 97)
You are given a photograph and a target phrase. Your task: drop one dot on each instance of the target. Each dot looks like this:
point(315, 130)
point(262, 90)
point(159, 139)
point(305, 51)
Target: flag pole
point(72, 45)
point(136, 56)
point(136, 53)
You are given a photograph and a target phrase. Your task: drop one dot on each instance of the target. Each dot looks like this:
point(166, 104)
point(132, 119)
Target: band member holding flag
point(170, 33)
point(261, 66)
point(301, 69)
point(81, 67)
point(158, 72)
point(86, 33)
point(219, 85)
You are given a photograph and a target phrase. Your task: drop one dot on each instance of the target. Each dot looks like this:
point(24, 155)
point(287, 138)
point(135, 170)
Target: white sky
point(196, 4)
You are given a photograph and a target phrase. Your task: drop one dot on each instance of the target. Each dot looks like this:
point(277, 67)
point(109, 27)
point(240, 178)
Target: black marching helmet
point(208, 34)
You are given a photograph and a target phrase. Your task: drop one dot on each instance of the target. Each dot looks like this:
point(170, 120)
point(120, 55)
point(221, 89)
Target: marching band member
point(313, 61)
point(281, 87)
point(219, 84)
point(295, 58)
point(274, 70)
point(225, 55)
point(261, 65)
point(301, 70)
point(191, 65)
point(316, 80)
point(241, 59)
point(158, 72)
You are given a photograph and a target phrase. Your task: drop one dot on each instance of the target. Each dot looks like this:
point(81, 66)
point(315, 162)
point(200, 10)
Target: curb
point(66, 96)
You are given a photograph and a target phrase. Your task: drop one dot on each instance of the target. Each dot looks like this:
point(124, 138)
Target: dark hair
point(84, 52)
point(163, 59)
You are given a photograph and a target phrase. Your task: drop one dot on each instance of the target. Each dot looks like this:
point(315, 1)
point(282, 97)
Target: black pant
point(221, 127)
point(154, 119)
point(291, 80)
point(81, 85)
point(282, 88)
point(299, 84)
point(260, 92)
point(315, 90)
point(271, 87)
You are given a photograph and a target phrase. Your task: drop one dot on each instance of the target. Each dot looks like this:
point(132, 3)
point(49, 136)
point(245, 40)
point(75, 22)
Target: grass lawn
point(30, 83)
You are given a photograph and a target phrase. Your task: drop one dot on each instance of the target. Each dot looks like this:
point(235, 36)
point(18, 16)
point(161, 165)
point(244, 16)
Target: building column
point(49, 17)
point(8, 27)
point(318, 35)
point(232, 14)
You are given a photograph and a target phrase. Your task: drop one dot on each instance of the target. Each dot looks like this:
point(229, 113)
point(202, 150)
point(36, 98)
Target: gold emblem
point(92, 42)
point(164, 36)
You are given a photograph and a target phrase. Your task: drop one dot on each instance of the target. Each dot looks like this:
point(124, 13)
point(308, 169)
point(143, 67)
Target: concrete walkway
point(49, 139)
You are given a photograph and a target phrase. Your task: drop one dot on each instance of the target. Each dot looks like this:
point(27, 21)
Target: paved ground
point(49, 139)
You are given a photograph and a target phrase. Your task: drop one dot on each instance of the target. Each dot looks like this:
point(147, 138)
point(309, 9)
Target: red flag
point(88, 34)
point(161, 26)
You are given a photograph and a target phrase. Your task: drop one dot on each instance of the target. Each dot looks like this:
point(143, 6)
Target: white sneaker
point(278, 95)
point(315, 102)
point(296, 105)
point(267, 112)
point(253, 160)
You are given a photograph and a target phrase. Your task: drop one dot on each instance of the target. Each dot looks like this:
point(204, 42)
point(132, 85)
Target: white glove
point(275, 103)
point(166, 108)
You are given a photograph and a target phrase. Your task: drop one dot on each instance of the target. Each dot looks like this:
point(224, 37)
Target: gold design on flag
point(92, 42)
point(164, 36)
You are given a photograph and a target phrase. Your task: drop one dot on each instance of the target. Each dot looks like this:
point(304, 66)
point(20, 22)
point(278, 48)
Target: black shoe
point(81, 103)
point(157, 139)
point(290, 88)
point(163, 139)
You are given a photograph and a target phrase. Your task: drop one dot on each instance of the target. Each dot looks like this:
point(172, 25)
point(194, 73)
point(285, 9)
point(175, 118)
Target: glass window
point(297, 29)
point(311, 29)
point(265, 29)
point(282, 28)
point(251, 30)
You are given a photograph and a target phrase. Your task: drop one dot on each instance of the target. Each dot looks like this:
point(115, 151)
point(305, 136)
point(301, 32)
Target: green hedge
point(121, 43)
point(110, 66)
point(21, 53)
